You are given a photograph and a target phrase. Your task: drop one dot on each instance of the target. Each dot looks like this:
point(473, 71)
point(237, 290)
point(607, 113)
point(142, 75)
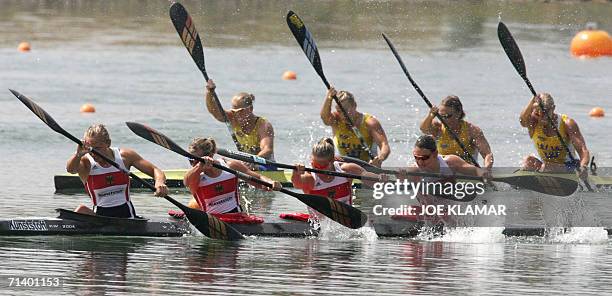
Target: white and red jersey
point(108, 187)
point(220, 194)
point(339, 188)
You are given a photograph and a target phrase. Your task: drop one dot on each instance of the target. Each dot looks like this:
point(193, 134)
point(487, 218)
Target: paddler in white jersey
point(108, 187)
point(323, 158)
point(216, 191)
point(428, 160)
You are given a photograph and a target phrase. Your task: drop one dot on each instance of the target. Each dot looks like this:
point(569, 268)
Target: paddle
point(207, 224)
point(335, 210)
point(516, 58)
point(418, 89)
point(246, 157)
point(189, 35)
point(308, 45)
point(552, 185)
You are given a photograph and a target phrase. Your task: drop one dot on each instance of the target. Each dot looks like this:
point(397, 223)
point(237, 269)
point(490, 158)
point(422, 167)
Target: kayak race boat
point(72, 223)
point(70, 183)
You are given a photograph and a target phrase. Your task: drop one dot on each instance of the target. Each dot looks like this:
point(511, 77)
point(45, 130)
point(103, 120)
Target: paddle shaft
point(418, 89)
point(260, 160)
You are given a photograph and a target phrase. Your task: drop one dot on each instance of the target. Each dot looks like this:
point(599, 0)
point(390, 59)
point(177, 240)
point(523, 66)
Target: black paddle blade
point(207, 224)
point(156, 137)
point(306, 42)
point(333, 209)
point(511, 48)
point(189, 35)
point(550, 185)
point(43, 115)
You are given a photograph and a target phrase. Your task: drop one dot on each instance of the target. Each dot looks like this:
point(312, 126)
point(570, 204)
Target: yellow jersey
point(347, 142)
point(249, 142)
point(550, 148)
point(448, 146)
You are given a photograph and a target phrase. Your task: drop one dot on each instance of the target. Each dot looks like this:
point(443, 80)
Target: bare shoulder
point(128, 153)
point(453, 160)
point(475, 130)
point(351, 167)
point(266, 127)
point(372, 121)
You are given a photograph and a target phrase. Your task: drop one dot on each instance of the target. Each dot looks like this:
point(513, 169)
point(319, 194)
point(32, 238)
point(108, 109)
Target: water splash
point(465, 234)
point(330, 230)
point(580, 235)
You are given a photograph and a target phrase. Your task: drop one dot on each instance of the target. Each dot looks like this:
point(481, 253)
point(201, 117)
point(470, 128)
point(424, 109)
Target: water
point(125, 58)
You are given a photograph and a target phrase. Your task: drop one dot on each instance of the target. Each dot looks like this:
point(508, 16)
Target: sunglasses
point(421, 158)
point(445, 116)
point(319, 166)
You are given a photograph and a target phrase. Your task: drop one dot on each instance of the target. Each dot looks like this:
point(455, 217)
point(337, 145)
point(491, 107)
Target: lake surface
point(125, 58)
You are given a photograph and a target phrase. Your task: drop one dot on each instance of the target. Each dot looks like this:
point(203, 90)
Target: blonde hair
point(344, 95)
point(207, 146)
point(245, 99)
point(324, 148)
point(98, 131)
point(547, 101)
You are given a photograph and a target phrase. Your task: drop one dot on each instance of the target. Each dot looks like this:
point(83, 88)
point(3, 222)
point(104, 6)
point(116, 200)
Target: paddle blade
point(189, 35)
point(207, 224)
point(43, 115)
point(306, 42)
point(150, 134)
point(333, 209)
point(511, 48)
point(551, 185)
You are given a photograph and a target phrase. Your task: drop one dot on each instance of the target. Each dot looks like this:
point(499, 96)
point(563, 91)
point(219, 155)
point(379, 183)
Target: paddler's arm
point(78, 164)
point(131, 158)
point(460, 166)
point(192, 177)
point(239, 166)
point(211, 105)
point(326, 114)
point(301, 179)
point(428, 126)
point(380, 138)
point(481, 143)
point(525, 119)
point(266, 144)
point(355, 169)
point(579, 143)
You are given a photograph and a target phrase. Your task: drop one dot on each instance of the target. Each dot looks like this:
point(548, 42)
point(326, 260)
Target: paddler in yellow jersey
point(346, 141)
point(471, 136)
point(553, 155)
point(254, 133)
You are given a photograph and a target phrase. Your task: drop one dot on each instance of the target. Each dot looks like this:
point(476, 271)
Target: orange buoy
point(591, 44)
point(24, 47)
point(289, 75)
point(88, 108)
point(597, 112)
